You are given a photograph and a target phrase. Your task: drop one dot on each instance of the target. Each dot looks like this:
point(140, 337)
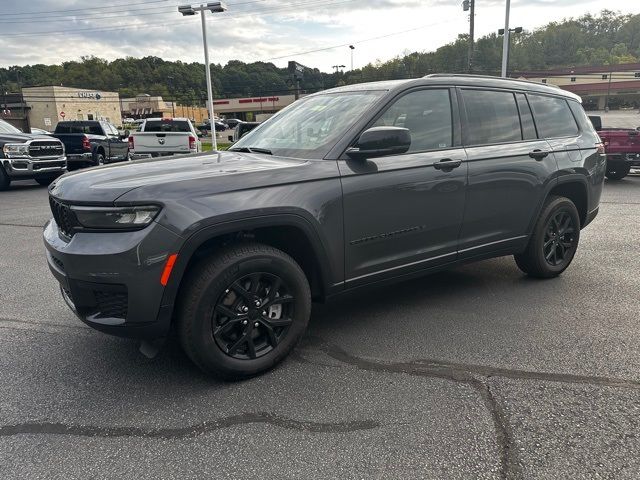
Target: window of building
point(89, 116)
point(492, 117)
point(427, 115)
point(553, 116)
point(605, 76)
point(573, 79)
point(637, 74)
point(544, 80)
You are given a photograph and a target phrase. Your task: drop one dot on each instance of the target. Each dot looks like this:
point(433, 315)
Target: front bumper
point(111, 281)
point(28, 168)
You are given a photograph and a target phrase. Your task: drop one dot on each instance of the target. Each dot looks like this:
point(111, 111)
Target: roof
point(447, 79)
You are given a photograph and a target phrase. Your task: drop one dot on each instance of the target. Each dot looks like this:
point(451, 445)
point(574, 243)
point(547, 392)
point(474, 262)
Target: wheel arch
point(290, 233)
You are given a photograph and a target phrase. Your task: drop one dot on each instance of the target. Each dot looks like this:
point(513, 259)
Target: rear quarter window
point(553, 116)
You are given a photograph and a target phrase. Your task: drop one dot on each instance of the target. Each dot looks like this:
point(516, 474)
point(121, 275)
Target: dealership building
point(46, 106)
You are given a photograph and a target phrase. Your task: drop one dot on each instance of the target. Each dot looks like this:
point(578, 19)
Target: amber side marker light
point(166, 273)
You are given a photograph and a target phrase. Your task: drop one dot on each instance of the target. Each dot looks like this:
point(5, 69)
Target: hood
point(220, 171)
point(19, 137)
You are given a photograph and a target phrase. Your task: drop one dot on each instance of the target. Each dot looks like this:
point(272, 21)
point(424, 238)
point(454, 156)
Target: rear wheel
point(554, 241)
point(243, 310)
point(617, 170)
point(5, 181)
point(99, 160)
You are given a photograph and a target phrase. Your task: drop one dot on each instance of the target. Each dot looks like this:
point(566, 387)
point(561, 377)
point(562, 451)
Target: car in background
point(92, 143)
point(26, 156)
point(159, 137)
point(232, 122)
point(622, 147)
point(242, 128)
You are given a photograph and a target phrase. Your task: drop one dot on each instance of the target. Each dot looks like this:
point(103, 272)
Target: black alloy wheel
point(559, 239)
point(252, 316)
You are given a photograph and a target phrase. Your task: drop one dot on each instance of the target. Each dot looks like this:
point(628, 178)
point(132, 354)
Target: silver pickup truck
point(29, 157)
point(164, 136)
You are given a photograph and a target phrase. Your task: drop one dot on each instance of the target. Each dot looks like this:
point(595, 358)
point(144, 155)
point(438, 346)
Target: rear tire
point(617, 170)
point(243, 310)
point(554, 241)
point(5, 181)
point(99, 159)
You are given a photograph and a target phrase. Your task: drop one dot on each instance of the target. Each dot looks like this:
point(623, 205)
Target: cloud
point(258, 30)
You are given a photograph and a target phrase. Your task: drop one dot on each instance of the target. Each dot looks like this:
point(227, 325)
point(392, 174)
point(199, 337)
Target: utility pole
point(470, 6)
point(505, 42)
point(352, 49)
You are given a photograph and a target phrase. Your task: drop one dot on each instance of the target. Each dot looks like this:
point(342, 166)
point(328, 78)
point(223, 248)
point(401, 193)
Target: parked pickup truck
point(92, 142)
point(164, 136)
point(622, 147)
point(29, 157)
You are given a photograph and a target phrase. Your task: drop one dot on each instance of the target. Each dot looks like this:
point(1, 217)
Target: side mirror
point(381, 141)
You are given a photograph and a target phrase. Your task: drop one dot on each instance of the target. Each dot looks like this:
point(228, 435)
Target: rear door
point(403, 212)
point(509, 168)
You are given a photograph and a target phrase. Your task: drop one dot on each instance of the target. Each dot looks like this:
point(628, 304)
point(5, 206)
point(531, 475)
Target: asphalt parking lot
point(478, 372)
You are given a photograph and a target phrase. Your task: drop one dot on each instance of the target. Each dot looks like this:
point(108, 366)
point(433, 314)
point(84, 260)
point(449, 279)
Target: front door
point(404, 212)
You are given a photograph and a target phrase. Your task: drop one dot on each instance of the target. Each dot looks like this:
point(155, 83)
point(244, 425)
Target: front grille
point(46, 148)
point(112, 304)
point(64, 217)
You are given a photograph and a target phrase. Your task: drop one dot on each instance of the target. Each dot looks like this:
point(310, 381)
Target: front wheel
point(554, 241)
point(5, 181)
point(243, 310)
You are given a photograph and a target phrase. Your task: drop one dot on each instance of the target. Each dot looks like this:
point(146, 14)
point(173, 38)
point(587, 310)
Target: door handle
point(447, 164)
point(539, 154)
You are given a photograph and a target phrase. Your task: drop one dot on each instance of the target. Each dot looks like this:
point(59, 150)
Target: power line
point(312, 4)
point(120, 5)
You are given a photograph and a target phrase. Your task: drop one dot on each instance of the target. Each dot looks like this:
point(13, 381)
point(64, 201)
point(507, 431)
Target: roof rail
point(492, 77)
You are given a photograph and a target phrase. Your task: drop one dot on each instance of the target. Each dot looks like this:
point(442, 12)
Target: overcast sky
point(53, 31)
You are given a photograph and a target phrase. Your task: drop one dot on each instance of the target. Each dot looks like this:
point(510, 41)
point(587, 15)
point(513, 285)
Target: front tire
point(243, 310)
point(554, 241)
point(5, 181)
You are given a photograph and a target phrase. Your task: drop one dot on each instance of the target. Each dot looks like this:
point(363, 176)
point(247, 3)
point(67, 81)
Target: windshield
point(8, 128)
point(310, 127)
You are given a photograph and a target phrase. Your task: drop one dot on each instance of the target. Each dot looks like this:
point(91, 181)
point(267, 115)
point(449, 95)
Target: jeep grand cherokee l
point(345, 188)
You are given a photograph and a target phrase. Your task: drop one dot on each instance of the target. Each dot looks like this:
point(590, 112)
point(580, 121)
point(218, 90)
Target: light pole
point(215, 7)
point(507, 36)
point(352, 48)
point(338, 67)
point(470, 6)
point(505, 42)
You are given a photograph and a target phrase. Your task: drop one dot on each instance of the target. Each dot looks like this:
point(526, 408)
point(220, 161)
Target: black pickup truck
point(92, 142)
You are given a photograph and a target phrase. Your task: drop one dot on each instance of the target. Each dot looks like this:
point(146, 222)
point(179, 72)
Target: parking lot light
point(213, 7)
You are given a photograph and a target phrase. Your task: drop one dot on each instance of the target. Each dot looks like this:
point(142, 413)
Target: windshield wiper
point(251, 150)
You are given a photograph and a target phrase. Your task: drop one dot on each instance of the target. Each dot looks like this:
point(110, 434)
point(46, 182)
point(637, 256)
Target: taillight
point(192, 143)
point(131, 143)
point(600, 147)
point(86, 144)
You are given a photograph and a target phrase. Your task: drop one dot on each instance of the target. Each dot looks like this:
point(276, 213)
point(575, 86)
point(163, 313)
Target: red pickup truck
point(622, 147)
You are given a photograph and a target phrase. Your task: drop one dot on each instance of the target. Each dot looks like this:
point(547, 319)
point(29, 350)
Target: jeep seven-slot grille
point(45, 148)
point(63, 216)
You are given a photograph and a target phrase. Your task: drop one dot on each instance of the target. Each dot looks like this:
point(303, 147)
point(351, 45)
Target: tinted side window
point(553, 117)
point(585, 122)
point(427, 115)
point(526, 118)
point(492, 117)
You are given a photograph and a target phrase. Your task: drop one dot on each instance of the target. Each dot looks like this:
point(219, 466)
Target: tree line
point(605, 39)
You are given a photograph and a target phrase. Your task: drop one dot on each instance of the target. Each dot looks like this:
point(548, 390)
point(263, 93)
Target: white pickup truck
point(164, 136)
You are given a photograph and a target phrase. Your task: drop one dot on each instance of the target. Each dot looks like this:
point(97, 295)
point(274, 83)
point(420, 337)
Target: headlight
point(13, 150)
point(116, 218)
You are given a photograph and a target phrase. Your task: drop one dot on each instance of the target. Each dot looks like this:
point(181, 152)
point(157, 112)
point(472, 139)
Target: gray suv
point(354, 186)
